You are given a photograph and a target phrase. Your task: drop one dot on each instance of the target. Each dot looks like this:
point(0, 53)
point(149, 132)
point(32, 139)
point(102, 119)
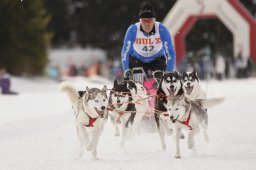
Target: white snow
point(37, 132)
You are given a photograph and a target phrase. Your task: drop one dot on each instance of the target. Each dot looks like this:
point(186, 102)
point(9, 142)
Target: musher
point(147, 44)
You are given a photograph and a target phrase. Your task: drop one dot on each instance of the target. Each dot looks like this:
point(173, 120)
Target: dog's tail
point(211, 102)
point(70, 90)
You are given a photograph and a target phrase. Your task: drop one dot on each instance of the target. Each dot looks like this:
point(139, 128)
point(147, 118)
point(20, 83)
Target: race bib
point(147, 46)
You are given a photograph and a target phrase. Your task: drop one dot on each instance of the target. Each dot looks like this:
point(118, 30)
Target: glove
point(128, 75)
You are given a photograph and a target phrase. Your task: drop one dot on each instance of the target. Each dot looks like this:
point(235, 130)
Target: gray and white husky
point(191, 116)
point(90, 111)
point(170, 85)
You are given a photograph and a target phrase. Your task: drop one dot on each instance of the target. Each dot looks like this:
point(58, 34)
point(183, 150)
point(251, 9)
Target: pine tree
point(24, 39)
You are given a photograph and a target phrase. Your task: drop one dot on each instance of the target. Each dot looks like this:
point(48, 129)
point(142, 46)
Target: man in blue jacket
point(147, 44)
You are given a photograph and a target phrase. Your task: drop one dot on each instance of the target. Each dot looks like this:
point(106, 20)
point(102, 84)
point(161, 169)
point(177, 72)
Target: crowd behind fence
point(218, 67)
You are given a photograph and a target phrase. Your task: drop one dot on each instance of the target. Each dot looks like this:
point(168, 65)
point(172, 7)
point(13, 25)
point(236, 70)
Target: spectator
point(5, 83)
point(54, 73)
point(72, 70)
point(241, 65)
point(220, 67)
point(249, 67)
point(117, 71)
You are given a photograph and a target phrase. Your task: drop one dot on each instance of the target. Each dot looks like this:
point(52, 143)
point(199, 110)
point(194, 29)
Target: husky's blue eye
point(104, 100)
point(97, 101)
point(177, 109)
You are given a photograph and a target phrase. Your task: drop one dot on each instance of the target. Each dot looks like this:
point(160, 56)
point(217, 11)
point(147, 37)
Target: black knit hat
point(146, 10)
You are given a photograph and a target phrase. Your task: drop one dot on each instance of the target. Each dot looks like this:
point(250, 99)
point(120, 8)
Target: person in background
point(147, 44)
point(241, 65)
point(5, 83)
point(220, 67)
point(117, 70)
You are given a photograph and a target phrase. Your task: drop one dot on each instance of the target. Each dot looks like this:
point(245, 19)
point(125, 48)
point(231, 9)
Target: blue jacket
point(166, 50)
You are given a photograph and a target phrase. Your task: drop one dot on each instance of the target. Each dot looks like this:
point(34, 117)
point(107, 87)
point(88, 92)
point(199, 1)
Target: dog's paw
point(89, 147)
point(122, 145)
point(177, 156)
point(163, 147)
point(191, 146)
point(95, 158)
point(117, 134)
point(206, 138)
point(80, 154)
point(182, 136)
point(169, 132)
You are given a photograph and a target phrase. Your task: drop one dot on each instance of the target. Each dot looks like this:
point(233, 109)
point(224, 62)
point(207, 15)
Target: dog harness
point(91, 121)
point(119, 115)
point(186, 122)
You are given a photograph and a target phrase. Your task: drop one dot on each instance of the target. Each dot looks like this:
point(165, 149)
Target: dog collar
point(91, 121)
point(186, 122)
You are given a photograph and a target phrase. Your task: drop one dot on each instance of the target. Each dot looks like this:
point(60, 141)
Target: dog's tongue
point(119, 105)
point(173, 92)
point(100, 113)
point(188, 90)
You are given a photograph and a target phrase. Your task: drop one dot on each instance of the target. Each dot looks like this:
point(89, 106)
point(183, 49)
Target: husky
point(191, 86)
point(191, 116)
point(140, 100)
point(90, 110)
point(121, 108)
point(170, 85)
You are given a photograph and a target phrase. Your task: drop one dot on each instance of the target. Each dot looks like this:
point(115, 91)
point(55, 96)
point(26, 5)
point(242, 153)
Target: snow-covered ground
point(37, 132)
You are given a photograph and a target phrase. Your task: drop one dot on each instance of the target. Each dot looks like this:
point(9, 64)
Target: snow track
point(37, 132)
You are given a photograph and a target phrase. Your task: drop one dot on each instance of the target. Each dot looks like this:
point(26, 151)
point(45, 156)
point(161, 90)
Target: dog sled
point(150, 82)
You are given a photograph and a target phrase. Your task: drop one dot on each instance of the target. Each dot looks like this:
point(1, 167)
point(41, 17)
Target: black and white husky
point(121, 108)
point(191, 86)
point(191, 116)
point(90, 111)
point(170, 85)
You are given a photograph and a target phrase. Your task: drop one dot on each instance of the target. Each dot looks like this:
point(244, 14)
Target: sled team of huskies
point(180, 110)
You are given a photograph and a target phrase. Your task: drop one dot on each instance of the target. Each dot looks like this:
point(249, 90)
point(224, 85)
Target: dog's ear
point(131, 84)
point(86, 94)
point(176, 73)
point(194, 73)
point(87, 89)
point(182, 75)
point(195, 76)
point(81, 93)
point(104, 88)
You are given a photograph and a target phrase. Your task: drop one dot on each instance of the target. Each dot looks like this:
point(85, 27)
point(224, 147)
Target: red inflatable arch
point(235, 17)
